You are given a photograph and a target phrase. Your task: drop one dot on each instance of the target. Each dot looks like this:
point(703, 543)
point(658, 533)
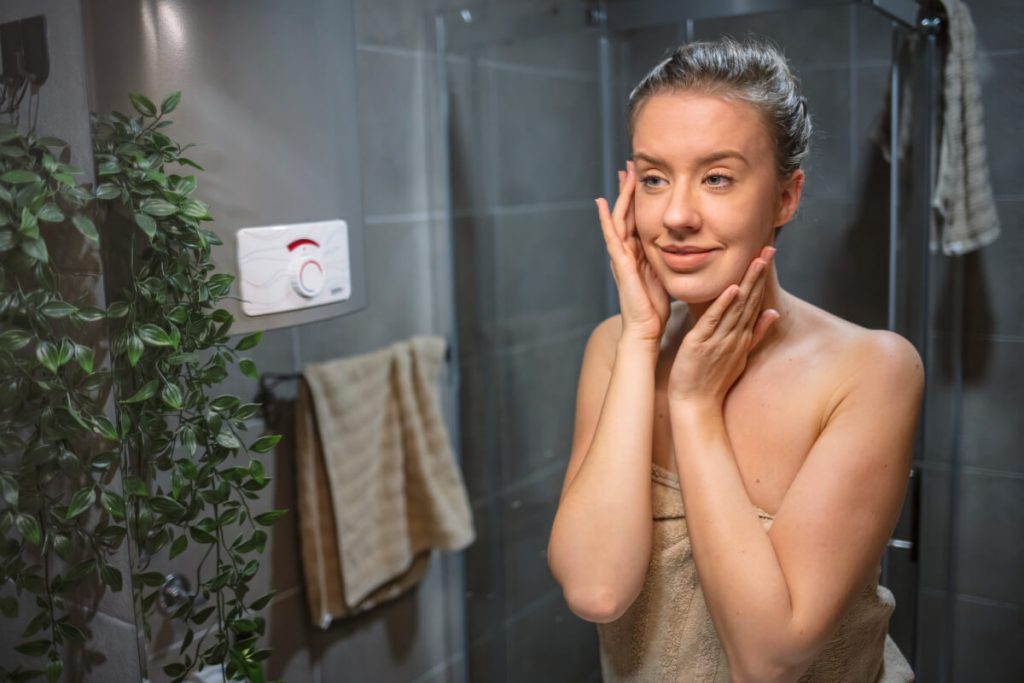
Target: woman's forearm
point(601, 536)
point(743, 582)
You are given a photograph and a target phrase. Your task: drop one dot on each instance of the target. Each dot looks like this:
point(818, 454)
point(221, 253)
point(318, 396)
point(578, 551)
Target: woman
point(771, 440)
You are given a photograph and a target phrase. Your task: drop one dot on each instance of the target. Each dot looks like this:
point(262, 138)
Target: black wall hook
point(24, 60)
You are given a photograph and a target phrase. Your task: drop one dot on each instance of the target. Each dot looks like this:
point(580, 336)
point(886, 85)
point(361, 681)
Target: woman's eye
point(651, 181)
point(718, 180)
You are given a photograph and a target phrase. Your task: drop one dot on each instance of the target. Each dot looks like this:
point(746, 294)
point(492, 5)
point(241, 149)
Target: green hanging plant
point(55, 452)
point(175, 444)
point(180, 444)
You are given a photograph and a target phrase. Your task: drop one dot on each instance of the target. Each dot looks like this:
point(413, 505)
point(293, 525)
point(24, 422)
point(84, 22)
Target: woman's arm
point(776, 598)
point(601, 537)
point(600, 542)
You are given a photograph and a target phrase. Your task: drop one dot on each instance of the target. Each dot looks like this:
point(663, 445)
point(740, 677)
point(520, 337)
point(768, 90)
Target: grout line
point(946, 466)
point(973, 599)
point(1005, 52)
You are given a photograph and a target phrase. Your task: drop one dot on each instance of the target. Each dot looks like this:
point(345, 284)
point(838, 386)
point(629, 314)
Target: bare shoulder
point(603, 339)
point(862, 356)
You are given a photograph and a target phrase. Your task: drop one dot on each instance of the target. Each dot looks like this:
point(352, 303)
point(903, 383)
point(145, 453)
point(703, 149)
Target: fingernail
point(771, 252)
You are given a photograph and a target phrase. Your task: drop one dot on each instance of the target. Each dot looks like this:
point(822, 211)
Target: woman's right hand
point(643, 301)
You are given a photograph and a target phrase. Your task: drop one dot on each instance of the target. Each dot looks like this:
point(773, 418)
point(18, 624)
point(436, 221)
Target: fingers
point(709, 322)
point(764, 321)
point(739, 306)
point(611, 237)
point(624, 202)
point(748, 301)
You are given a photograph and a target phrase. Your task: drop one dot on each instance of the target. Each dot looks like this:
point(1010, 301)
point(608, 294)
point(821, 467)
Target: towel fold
point(962, 198)
point(963, 193)
point(378, 485)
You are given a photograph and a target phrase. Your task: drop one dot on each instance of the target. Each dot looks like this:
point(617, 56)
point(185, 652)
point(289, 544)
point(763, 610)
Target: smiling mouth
point(685, 259)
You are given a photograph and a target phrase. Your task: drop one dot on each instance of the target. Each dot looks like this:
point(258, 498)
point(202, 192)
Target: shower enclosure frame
point(910, 227)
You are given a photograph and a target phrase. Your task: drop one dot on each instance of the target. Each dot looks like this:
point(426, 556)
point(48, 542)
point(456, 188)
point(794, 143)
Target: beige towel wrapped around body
point(667, 635)
point(377, 481)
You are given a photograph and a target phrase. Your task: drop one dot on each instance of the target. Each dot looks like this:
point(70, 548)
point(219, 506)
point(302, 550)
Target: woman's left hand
point(714, 353)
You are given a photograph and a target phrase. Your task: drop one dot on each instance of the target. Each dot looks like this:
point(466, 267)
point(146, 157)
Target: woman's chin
point(694, 295)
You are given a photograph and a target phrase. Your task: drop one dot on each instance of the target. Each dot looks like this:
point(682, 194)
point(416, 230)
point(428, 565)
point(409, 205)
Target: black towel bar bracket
point(269, 380)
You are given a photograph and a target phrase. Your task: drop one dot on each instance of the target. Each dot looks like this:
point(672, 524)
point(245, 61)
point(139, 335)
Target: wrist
point(698, 409)
point(632, 345)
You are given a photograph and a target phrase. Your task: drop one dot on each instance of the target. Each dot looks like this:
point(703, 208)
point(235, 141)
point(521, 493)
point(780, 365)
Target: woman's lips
point(686, 261)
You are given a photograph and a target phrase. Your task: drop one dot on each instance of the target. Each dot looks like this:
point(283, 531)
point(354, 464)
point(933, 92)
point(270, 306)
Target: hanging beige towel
point(963, 193)
point(378, 484)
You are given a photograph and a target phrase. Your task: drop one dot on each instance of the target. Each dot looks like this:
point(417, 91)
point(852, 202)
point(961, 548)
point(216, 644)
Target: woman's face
point(707, 188)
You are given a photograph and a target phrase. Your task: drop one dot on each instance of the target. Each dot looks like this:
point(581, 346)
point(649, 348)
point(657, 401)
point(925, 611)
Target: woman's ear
point(789, 197)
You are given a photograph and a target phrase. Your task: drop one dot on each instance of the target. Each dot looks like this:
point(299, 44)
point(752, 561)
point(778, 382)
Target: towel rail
point(269, 380)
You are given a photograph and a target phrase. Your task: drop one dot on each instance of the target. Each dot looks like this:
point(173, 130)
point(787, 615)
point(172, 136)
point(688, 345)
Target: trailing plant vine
point(177, 446)
point(53, 467)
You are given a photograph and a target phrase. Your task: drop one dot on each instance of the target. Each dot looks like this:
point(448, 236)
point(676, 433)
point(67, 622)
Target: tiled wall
point(985, 593)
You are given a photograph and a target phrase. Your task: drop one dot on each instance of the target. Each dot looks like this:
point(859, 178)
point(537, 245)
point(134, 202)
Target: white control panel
point(288, 267)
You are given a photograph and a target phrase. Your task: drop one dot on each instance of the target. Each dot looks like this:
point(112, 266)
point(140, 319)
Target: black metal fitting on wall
point(24, 60)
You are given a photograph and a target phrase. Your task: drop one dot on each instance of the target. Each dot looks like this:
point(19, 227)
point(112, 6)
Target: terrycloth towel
point(667, 634)
point(963, 193)
point(378, 484)
point(962, 198)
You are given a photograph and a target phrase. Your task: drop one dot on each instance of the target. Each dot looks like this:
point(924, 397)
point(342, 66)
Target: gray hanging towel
point(962, 198)
point(963, 194)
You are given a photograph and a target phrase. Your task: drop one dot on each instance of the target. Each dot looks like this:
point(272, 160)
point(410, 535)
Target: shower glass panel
point(524, 161)
point(532, 119)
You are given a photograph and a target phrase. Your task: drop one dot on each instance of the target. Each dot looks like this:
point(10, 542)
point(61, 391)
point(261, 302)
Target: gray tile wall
point(984, 596)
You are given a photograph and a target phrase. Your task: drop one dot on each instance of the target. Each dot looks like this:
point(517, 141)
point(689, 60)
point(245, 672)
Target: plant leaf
point(142, 104)
point(171, 395)
point(145, 392)
point(154, 336)
point(268, 518)
point(18, 176)
point(249, 341)
point(57, 309)
point(12, 340)
point(36, 249)
point(146, 224)
point(158, 207)
point(107, 191)
point(81, 501)
point(134, 350)
point(48, 355)
point(170, 102)
point(86, 227)
point(113, 504)
point(178, 547)
point(28, 527)
point(51, 213)
point(84, 355)
point(34, 648)
point(265, 443)
point(248, 368)
point(228, 440)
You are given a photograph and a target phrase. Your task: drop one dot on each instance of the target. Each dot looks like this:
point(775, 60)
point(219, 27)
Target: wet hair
point(752, 71)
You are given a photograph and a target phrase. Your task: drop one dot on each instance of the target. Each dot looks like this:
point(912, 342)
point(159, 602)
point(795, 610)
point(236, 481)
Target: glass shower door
point(523, 154)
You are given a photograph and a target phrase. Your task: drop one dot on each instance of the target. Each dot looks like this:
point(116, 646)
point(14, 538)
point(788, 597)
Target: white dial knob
point(308, 277)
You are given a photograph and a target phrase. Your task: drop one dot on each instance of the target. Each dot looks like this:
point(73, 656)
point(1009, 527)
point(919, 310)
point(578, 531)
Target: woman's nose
point(681, 212)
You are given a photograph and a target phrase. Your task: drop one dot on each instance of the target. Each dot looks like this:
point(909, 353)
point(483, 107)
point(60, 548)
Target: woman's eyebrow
point(704, 160)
